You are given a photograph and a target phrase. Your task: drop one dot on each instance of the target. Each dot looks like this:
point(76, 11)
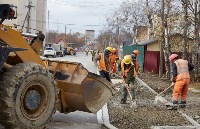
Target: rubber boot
point(124, 96)
point(182, 104)
point(133, 93)
point(174, 106)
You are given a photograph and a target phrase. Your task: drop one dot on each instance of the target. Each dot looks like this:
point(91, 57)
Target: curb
point(103, 116)
point(193, 122)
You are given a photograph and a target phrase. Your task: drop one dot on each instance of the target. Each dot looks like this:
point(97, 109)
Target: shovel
point(133, 103)
point(161, 100)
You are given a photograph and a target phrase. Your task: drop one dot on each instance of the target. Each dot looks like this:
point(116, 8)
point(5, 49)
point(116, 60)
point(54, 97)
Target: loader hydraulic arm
point(14, 39)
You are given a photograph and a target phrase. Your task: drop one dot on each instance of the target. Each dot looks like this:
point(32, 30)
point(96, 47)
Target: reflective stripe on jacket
point(182, 69)
point(102, 64)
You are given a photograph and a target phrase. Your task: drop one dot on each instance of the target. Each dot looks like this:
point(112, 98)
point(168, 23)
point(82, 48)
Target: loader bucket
point(80, 89)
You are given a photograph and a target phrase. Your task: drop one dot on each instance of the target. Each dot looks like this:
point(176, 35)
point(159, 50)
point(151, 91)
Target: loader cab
point(29, 37)
point(7, 12)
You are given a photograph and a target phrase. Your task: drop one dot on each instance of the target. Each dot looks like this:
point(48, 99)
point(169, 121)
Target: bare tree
point(127, 18)
point(185, 8)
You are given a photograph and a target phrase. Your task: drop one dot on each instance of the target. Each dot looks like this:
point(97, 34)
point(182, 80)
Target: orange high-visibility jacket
point(102, 64)
point(182, 69)
point(136, 65)
point(126, 71)
point(113, 58)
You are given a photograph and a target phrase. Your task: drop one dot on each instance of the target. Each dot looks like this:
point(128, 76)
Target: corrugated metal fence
point(127, 50)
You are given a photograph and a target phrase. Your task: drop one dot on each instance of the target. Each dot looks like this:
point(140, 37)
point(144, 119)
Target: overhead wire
point(68, 24)
point(84, 5)
point(90, 4)
point(105, 3)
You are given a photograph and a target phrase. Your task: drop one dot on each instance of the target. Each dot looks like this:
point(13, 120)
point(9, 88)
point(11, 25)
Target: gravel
point(147, 114)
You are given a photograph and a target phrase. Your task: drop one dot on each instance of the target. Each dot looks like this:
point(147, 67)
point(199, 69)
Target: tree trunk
point(195, 46)
point(185, 31)
point(162, 41)
point(198, 39)
point(149, 15)
point(167, 44)
point(168, 53)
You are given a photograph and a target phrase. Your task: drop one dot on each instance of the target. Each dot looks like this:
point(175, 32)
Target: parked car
point(49, 51)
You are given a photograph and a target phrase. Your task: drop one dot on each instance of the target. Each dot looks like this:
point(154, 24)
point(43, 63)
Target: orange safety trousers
point(181, 88)
point(113, 66)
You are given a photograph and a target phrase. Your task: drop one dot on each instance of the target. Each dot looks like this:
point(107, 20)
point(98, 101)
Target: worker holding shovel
point(181, 77)
point(128, 75)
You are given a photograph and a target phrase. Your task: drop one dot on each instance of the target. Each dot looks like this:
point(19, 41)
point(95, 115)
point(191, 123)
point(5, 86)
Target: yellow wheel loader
point(31, 90)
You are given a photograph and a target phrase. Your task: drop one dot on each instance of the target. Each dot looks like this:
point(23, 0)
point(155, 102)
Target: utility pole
point(118, 42)
point(118, 31)
point(48, 27)
point(28, 16)
point(65, 31)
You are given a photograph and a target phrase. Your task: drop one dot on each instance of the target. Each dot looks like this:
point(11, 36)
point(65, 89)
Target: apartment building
point(37, 21)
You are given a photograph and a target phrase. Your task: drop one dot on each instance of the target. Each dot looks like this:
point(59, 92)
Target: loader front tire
point(27, 97)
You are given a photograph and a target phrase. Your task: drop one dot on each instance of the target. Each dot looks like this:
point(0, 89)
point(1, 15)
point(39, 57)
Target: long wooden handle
point(166, 89)
point(127, 88)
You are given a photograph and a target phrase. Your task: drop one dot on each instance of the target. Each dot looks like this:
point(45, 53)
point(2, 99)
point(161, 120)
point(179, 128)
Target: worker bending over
point(128, 74)
point(181, 77)
point(102, 61)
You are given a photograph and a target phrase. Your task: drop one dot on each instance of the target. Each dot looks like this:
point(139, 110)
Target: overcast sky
point(83, 14)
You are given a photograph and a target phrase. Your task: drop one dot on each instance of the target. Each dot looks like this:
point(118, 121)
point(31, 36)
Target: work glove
point(122, 73)
point(126, 74)
point(127, 85)
point(99, 69)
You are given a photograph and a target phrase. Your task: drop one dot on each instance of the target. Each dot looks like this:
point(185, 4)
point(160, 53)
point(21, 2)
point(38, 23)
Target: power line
point(105, 3)
point(86, 5)
point(64, 24)
point(91, 2)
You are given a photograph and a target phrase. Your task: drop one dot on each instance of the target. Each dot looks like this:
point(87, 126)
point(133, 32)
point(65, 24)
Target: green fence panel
point(127, 50)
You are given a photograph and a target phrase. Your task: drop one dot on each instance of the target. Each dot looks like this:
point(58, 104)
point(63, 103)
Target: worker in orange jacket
point(181, 78)
point(102, 61)
point(113, 59)
point(135, 60)
point(128, 74)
